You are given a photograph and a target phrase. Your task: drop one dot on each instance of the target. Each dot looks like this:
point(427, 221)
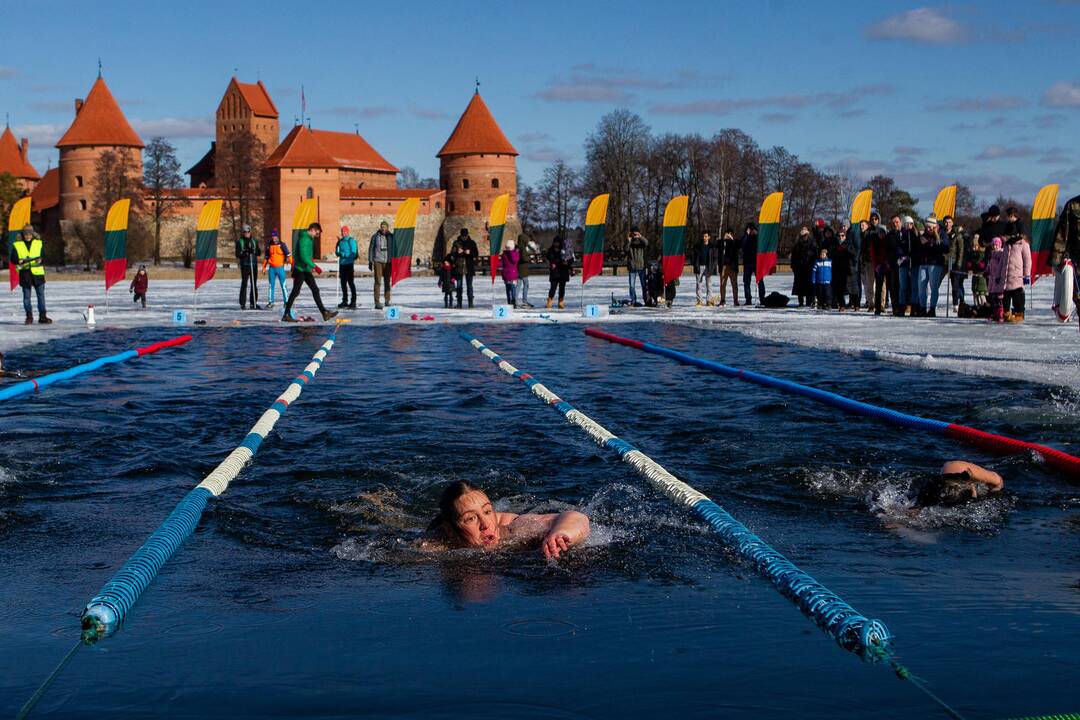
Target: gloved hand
point(1027, 280)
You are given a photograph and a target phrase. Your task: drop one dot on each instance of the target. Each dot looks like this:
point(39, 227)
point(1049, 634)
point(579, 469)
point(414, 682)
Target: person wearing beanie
point(464, 253)
point(346, 253)
point(930, 254)
point(636, 249)
point(749, 258)
point(1017, 274)
point(303, 272)
point(139, 285)
point(996, 271)
point(277, 256)
point(247, 253)
point(728, 251)
point(26, 256)
point(867, 261)
point(803, 257)
point(905, 241)
point(378, 261)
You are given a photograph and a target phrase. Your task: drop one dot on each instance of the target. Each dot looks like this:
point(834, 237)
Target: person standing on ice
point(508, 269)
point(346, 253)
point(277, 256)
point(303, 273)
point(636, 248)
point(1017, 275)
point(465, 250)
point(378, 261)
point(26, 255)
point(247, 253)
point(1067, 243)
point(906, 238)
point(523, 271)
point(749, 259)
point(996, 270)
point(728, 252)
point(704, 268)
point(957, 259)
point(975, 263)
point(865, 259)
point(930, 252)
point(558, 272)
point(803, 257)
point(822, 277)
point(139, 285)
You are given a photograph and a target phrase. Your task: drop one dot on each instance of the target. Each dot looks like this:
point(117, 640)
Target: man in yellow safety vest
point(26, 254)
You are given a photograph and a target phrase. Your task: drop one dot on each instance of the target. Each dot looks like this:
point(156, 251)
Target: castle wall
point(481, 172)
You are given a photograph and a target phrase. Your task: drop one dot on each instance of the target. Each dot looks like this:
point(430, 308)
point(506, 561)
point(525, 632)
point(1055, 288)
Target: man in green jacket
point(302, 273)
point(636, 246)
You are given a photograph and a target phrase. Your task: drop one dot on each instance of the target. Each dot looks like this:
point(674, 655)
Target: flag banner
point(860, 212)
point(17, 220)
point(401, 242)
point(768, 234)
point(206, 232)
point(592, 254)
point(945, 205)
point(1043, 218)
point(305, 214)
point(674, 238)
point(496, 226)
point(116, 226)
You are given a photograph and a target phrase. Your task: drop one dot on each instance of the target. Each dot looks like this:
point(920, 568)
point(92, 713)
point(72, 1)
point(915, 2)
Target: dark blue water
point(300, 593)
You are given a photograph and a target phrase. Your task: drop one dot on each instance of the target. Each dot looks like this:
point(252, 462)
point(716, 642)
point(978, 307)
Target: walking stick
point(948, 294)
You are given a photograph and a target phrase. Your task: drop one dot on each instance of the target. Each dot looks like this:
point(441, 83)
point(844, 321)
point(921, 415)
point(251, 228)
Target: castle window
point(82, 204)
point(494, 182)
point(465, 183)
point(359, 186)
point(310, 193)
point(309, 171)
point(78, 181)
point(438, 204)
point(476, 206)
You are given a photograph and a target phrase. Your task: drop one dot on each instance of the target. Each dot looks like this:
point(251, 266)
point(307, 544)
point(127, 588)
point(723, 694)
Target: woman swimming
point(467, 519)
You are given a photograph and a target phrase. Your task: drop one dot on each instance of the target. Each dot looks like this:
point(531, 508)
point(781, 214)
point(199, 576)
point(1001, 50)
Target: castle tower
point(248, 107)
point(15, 161)
point(99, 126)
point(476, 164)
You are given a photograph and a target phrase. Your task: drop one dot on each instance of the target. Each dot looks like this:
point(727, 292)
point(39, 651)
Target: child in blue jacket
point(822, 279)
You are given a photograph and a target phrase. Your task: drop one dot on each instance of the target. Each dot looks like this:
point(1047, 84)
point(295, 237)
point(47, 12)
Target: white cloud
point(40, 134)
point(1062, 94)
point(197, 127)
point(997, 152)
point(923, 25)
point(6, 72)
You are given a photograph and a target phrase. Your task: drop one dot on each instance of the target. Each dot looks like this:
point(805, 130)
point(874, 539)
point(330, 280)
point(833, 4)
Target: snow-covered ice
point(1039, 350)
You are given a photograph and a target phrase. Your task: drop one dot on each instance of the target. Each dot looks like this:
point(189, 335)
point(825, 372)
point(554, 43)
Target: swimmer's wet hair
point(446, 518)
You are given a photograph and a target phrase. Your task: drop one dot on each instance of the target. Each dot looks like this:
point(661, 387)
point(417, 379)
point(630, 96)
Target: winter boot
point(30, 319)
point(562, 304)
point(326, 315)
point(550, 302)
point(287, 318)
point(1016, 317)
point(44, 319)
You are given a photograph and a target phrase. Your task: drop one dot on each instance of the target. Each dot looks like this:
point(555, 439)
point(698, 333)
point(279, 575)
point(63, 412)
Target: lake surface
point(301, 592)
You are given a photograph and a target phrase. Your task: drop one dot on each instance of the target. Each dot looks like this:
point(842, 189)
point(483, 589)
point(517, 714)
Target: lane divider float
point(851, 630)
point(105, 613)
point(991, 442)
point(27, 387)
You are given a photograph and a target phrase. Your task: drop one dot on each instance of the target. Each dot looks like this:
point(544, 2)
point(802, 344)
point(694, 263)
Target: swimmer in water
point(11, 374)
point(959, 482)
point(467, 519)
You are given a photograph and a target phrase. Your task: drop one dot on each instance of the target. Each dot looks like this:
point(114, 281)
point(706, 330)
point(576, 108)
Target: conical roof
point(12, 160)
point(477, 132)
point(100, 122)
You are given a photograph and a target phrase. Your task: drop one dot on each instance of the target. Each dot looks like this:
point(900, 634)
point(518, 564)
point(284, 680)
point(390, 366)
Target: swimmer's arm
point(979, 474)
point(568, 529)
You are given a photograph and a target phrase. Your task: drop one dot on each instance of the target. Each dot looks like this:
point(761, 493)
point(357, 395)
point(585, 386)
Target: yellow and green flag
point(206, 232)
point(496, 226)
point(17, 220)
point(674, 238)
point(1043, 215)
point(592, 255)
point(305, 214)
point(768, 235)
point(945, 204)
point(860, 212)
point(116, 226)
point(401, 242)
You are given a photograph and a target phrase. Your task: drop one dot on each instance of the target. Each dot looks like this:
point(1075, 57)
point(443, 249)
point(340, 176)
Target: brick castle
point(353, 183)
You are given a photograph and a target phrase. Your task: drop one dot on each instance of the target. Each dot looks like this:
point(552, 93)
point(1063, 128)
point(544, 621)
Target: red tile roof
point(477, 132)
point(12, 160)
point(387, 193)
point(100, 122)
point(47, 192)
point(304, 148)
point(257, 98)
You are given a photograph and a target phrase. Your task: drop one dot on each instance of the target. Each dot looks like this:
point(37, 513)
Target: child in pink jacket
point(1017, 275)
point(996, 267)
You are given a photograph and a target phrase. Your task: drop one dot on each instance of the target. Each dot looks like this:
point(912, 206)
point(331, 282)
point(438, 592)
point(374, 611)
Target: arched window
point(310, 193)
point(438, 204)
point(494, 182)
point(78, 181)
point(82, 204)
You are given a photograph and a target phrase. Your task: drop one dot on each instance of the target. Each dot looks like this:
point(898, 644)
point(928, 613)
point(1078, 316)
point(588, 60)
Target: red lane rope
point(150, 349)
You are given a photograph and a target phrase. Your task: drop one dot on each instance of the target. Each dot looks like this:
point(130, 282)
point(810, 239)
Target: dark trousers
point(345, 274)
point(557, 284)
point(39, 290)
point(747, 274)
point(140, 296)
point(880, 277)
point(248, 274)
point(957, 280)
point(824, 295)
point(1014, 301)
point(462, 286)
point(299, 279)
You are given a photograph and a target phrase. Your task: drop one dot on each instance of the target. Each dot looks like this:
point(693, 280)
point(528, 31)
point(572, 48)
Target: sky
point(984, 93)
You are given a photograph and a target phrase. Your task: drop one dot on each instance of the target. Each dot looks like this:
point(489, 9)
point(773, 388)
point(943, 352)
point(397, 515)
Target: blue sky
point(987, 93)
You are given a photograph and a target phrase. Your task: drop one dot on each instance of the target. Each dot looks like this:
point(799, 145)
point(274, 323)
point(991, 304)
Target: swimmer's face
point(477, 522)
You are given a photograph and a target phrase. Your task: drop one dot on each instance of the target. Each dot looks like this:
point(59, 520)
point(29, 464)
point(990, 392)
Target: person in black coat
point(842, 262)
point(749, 258)
point(558, 271)
point(705, 261)
point(728, 252)
point(465, 247)
point(803, 256)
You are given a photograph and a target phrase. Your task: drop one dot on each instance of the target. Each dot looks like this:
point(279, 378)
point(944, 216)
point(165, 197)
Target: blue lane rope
point(105, 613)
point(851, 630)
point(27, 387)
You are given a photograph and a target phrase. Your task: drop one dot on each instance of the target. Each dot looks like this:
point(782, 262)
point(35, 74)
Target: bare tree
point(613, 155)
point(560, 195)
point(528, 207)
point(187, 247)
point(238, 165)
point(409, 178)
point(161, 177)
